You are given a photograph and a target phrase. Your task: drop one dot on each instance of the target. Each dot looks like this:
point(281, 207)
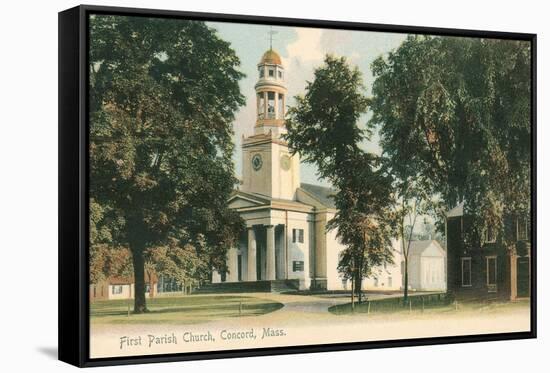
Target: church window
point(298, 266)
point(271, 73)
point(298, 235)
point(262, 72)
point(280, 74)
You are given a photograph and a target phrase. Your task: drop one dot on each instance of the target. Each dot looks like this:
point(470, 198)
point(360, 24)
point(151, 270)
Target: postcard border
point(74, 324)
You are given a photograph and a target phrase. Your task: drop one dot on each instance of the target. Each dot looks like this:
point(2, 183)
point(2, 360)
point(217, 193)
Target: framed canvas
point(234, 186)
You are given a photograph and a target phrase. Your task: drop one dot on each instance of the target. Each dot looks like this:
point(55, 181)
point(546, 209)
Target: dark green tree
point(365, 218)
point(323, 128)
point(182, 264)
point(457, 112)
point(163, 93)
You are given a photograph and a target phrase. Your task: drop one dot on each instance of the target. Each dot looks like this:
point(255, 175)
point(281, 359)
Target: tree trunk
point(352, 293)
point(406, 263)
point(358, 285)
point(406, 282)
point(137, 249)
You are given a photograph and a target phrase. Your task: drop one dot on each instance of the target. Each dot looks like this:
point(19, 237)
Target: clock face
point(257, 162)
point(285, 162)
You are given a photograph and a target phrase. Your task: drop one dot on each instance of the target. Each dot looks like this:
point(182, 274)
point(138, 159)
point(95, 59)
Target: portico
point(275, 245)
point(262, 256)
point(257, 258)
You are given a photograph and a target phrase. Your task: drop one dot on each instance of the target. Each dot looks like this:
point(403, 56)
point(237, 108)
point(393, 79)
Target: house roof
point(457, 211)
point(323, 194)
point(418, 247)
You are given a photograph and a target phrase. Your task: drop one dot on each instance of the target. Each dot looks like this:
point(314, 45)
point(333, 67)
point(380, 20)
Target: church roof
point(323, 194)
point(261, 199)
point(271, 57)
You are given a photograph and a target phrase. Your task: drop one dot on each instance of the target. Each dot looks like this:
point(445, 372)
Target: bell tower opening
point(270, 94)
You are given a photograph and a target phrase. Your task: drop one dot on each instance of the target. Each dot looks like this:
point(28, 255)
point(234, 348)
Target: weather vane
point(271, 33)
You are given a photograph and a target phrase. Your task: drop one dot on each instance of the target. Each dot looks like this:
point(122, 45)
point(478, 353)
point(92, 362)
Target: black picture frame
point(73, 186)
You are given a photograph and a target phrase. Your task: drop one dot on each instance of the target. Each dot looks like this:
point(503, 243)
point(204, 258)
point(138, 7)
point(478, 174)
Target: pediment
point(241, 200)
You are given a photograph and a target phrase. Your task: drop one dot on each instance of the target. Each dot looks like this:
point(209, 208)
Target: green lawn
point(190, 309)
point(434, 303)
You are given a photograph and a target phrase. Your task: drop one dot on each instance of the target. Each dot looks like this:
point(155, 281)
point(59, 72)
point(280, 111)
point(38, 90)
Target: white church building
point(286, 238)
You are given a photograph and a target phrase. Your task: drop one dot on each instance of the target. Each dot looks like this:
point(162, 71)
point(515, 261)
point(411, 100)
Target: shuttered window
point(298, 235)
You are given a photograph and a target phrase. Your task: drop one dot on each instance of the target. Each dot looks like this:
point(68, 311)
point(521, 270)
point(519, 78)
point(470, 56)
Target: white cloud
point(354, 57)
point(306, 49)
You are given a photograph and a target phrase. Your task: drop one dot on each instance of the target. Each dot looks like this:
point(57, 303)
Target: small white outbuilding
point(427, 266)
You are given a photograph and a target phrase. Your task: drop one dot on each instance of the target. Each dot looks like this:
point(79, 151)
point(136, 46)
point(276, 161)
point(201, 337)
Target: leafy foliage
point(163, 93)
point(323, 128)
point(455, 115)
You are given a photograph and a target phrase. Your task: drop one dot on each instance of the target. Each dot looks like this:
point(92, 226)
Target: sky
point(302, 50)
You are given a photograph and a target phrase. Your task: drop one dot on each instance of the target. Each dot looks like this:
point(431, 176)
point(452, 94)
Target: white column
point(285, 251)
point(270, 253)
point(233, 275)
point(251, 255)
point(266, 115)
point(277, 105)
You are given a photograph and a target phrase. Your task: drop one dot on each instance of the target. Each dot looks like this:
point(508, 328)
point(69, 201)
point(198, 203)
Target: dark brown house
point(490, 270)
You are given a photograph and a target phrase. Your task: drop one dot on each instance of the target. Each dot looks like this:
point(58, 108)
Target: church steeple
point(269, 168)
point(270, 94)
